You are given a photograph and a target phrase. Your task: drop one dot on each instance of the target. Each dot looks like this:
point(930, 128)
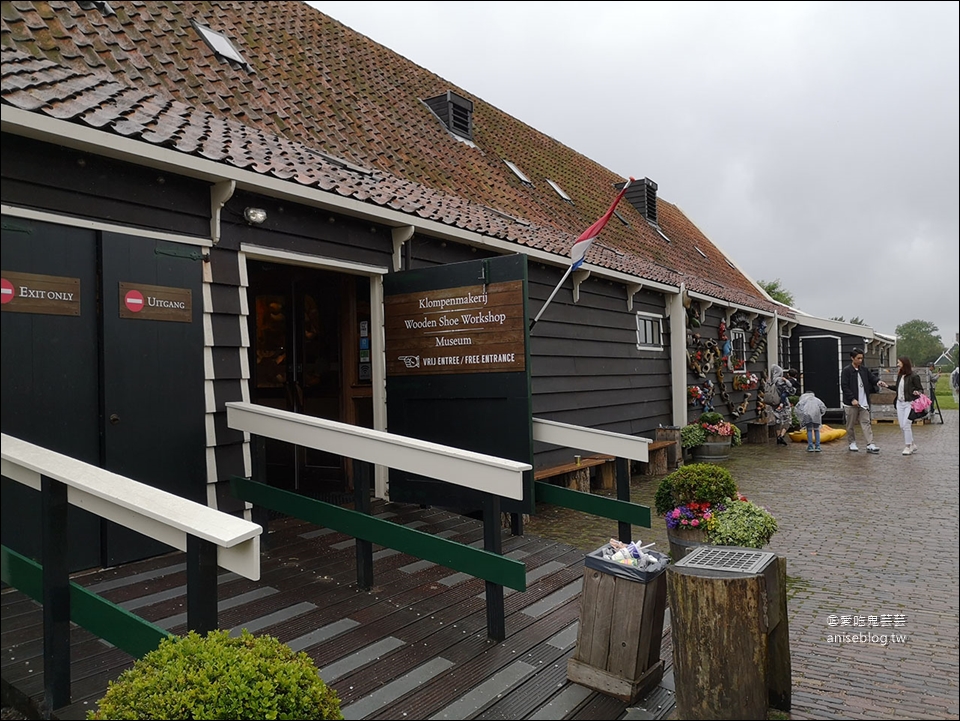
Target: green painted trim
point(457, 556)
point(102, 618)
point(611, 508)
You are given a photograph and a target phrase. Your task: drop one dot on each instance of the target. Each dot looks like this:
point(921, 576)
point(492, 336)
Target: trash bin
point(621, 628)
point(731, 644)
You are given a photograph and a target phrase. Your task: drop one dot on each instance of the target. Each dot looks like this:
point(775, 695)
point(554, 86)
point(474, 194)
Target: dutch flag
point(582, 244)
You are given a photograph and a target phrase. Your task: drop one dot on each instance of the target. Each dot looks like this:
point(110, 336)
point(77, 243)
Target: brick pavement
point(864, 535)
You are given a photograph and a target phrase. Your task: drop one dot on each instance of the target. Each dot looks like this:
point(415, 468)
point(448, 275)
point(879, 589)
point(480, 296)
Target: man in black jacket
point(857, 382)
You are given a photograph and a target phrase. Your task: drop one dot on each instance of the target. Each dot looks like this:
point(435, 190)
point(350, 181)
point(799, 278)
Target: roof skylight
point(700, 251)
point(518, 172)
point(219, 43)
point(560, 191)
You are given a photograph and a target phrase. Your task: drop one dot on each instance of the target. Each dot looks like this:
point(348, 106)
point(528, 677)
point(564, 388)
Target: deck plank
point(413, 646)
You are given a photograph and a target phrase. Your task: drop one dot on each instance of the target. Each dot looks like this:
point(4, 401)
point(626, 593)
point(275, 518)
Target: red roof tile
point(315, 84)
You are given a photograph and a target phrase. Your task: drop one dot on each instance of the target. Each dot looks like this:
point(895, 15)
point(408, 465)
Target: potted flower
point(700, 504)
point(740, 523)
point(687, 499)
point(710, 437)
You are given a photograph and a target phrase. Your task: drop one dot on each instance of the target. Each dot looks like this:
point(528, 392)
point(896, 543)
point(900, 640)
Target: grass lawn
point(944, 394)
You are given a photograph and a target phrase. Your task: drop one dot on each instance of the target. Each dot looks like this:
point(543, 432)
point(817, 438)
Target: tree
point(777, 291)
point(919, 341)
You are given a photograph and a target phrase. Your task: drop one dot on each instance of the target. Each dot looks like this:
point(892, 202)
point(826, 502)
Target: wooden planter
point(714, 449)
point(684, 540)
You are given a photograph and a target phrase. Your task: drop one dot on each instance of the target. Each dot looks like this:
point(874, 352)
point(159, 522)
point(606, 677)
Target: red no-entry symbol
point(7, 293)
point(133, 300)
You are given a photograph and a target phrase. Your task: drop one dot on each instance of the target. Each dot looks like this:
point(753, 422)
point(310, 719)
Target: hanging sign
point(43, 294)
point(155, 302)
point(467, 329)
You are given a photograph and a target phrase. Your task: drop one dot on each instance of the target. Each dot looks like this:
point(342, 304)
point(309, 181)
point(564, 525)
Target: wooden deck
point(414, 646)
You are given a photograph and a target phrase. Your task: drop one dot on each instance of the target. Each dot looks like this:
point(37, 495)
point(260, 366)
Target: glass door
point(296, 354)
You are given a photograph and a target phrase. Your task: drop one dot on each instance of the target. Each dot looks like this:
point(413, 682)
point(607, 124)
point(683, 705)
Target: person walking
point(810, 410)
point(908, 387)
point(779, 388)
point(857, 382)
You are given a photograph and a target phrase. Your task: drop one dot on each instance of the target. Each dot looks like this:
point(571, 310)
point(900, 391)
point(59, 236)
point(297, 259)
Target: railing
point(623, 447)
point(493, 476)
point(209, 537)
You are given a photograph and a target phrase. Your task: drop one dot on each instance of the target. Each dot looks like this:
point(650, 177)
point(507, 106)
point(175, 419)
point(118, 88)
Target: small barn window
point(737, 362)
point(649, 331)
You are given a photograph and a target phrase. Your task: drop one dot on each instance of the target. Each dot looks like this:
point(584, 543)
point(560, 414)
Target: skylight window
point(220, 44)
point(700, 251)
point(659, 232)
point(621, 218)
point(560, 191)
point(518, 172)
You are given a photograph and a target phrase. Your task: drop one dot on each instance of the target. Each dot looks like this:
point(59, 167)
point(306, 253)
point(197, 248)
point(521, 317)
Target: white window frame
point(738, 349)
point(649, 321)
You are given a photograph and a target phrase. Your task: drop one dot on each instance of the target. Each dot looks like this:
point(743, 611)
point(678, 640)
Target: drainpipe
point(677, 316)
point(773, 342)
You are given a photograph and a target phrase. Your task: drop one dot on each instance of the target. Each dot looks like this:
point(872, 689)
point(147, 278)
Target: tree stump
point(579, 480)
point(757, 433)
point(731, 648)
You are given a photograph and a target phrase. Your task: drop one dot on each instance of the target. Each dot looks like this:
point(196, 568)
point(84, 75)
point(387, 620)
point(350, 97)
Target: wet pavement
point(873, 565)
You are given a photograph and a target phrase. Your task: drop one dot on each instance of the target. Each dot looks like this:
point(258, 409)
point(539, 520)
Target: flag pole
point(544, 307)
point(579, 250)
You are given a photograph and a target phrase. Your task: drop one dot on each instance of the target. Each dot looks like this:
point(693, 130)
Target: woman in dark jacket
point(908, 387)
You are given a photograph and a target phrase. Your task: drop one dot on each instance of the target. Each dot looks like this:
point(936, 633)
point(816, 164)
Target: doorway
point(309, 353)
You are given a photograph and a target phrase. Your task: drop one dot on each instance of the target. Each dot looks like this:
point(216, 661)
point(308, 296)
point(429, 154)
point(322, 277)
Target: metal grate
point(718, 558)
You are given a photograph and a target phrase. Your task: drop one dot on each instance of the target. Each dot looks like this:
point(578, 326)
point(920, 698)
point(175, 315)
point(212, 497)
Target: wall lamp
point(254, 216)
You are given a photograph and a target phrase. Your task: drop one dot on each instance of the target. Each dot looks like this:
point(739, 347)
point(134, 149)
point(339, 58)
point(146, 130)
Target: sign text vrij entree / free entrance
point(472, 329)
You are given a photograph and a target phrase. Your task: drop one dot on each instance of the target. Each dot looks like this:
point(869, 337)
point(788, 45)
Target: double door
point(92, 381)
point(306, 329)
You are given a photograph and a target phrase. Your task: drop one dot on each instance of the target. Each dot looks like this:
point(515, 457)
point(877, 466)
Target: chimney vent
point(643, 197)
point(455, 112)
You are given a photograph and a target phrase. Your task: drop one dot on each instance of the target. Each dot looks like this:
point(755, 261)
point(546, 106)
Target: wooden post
point(56, 593)
point(674, 453)
point(731, 654)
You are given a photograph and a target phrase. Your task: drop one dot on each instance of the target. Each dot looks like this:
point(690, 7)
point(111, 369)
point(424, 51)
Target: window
point(737, 362)
point(559, 191)
point(649, 329)
point(220, 44)
point(519, 173)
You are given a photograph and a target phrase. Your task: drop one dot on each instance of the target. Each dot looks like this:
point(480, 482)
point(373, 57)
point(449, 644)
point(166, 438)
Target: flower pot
point(715, 448)
point(684, 540)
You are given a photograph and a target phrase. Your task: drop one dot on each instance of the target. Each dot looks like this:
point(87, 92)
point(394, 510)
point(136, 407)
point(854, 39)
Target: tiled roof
point(315, 85)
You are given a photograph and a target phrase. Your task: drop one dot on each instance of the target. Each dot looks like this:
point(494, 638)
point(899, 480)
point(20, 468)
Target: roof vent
point(220, 44)
point(643, 197)
point(455, 112)
point(103, 7)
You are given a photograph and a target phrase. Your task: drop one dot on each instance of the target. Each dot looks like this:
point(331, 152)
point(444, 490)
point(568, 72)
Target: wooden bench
point(577, 477)
point(657, 464)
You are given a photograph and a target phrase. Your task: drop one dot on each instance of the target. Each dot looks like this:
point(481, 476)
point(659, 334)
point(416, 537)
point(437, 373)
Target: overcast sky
point(814, 143)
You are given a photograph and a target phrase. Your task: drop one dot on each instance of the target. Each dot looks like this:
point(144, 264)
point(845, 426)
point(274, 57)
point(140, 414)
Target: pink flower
point(676, 513)
point(684, 522)
point(694, 522)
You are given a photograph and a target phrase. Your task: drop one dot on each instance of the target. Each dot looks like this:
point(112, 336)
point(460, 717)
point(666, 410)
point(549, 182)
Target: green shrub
point(741, 523)
point(695, 482)
point(218, 677)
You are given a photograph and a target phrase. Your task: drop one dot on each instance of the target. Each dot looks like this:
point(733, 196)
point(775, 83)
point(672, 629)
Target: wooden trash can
point(621, 629)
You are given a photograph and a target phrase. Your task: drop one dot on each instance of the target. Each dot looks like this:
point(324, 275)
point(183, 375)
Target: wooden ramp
point(414, 646)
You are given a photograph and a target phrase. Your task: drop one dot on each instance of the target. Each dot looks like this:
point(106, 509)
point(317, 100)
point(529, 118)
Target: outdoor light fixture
point(254, 216)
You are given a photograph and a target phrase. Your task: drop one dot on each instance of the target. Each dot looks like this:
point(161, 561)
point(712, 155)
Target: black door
point(50, 365)
point(296, 366)
point(821, 369)
point(152, 382)
point(124, 394)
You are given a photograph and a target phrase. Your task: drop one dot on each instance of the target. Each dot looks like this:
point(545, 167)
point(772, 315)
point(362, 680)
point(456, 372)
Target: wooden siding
point(57, 179)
